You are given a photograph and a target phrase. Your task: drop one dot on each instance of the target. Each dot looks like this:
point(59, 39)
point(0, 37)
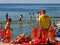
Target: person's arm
point(39, 20)
point(6, 26)
point(50, 23)
point(11, 29)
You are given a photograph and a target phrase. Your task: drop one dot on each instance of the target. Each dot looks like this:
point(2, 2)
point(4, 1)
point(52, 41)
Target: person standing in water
point(20, 17)
point(37, 16)
point(30, 17)
point(8, 31)
point(6, 16)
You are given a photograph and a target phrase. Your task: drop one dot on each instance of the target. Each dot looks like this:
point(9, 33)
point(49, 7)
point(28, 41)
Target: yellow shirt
point(44, 21)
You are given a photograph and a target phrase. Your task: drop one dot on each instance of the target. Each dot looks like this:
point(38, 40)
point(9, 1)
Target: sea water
point(15, 10)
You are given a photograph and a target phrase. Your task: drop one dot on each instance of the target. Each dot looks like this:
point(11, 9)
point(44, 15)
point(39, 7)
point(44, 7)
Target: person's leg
point(20, 20)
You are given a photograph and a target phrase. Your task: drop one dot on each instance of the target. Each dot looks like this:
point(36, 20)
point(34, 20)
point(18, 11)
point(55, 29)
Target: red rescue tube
point(39, 40)
point(7, 35)
point(19, 39)
point(51, 33)
point(35, 32)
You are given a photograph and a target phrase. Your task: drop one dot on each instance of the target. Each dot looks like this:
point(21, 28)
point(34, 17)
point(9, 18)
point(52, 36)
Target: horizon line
point(29, 3)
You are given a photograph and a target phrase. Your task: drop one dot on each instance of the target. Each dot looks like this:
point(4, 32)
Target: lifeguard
point(44, 23)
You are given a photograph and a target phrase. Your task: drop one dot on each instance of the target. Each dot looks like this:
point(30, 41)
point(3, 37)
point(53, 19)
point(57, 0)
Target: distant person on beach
point(6, 16)
point(20, 18)
point(30, 17)
point(8, 31)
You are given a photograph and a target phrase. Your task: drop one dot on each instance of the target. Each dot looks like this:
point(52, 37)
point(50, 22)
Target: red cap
point(42, 10)
point(9, 19)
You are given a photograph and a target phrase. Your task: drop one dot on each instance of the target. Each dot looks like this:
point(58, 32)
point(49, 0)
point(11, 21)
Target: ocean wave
point(18, 9)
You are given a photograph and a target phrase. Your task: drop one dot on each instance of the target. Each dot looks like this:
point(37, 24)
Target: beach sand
point(8, 44)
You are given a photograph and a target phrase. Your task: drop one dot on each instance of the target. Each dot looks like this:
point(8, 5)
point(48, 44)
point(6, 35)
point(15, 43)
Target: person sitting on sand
point(20, 17)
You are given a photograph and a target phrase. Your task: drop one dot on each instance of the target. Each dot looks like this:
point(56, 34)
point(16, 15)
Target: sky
point(31, 1)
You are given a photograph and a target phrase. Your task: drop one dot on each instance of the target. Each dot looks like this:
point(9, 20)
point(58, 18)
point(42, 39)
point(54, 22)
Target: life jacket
point(44, 21)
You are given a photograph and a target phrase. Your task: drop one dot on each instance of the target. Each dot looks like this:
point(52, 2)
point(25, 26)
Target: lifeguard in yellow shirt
point(44, 24)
